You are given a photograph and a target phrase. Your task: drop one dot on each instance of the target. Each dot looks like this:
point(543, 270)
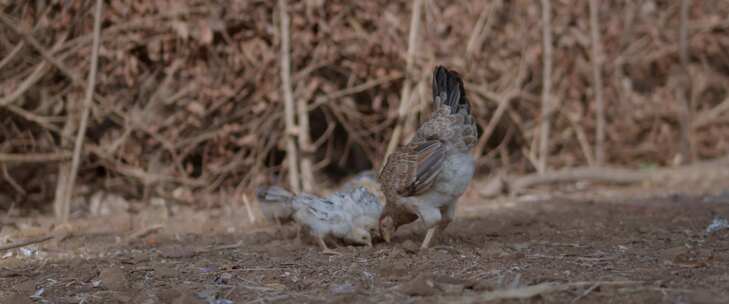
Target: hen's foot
point(428, 238)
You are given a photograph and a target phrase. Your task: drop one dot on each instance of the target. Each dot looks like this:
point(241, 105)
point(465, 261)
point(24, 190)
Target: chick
point(347, 216)
point(363, 205)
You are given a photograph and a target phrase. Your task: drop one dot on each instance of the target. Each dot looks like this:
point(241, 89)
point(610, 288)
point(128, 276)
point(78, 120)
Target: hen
point(350, 216)
point(425, 178)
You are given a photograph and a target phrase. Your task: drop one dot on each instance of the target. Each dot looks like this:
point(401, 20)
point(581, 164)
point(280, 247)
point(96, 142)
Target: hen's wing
point(412, 169)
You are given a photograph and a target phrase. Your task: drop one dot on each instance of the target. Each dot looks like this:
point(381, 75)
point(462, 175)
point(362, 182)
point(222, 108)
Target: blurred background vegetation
point(190, 96)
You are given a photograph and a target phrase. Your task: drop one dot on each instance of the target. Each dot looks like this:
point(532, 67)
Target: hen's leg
point(428, 238)
point(324, 248)
point(431, 217)
point(449, 212)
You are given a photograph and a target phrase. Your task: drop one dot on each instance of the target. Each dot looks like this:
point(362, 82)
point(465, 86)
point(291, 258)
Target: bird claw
point(428, 238)
point(325, 250)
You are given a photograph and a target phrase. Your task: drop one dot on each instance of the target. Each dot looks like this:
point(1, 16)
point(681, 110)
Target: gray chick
point(364, 178)
point(349, 216)
point(282, 212)
point(425, 178)
point(364, 207)
point(276, 204)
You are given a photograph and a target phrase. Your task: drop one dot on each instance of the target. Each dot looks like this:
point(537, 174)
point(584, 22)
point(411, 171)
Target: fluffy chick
point(348, 216)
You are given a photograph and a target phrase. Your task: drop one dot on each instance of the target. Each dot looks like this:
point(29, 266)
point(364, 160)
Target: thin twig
point(581, 138)
point(712, 115)
point(226, 247)
point(478, 34)
point(546, 86)
point(406, 88)
point(11, 180)
point(683, 33)
point(291, 130)
point(589, 290)
point(26, 243)
point(30, 116)
point(24, 86)
point(249, 210)
point(144, 232)
point(683, 87)
point(146, 177)
point(597, 82)
point(306, 148)
point(531, 291)
point(43, 52)
point(504, 100)
point(709, 170)
point(353, 90)
point(34, 157)
point(49, 57)
point(9, 57)
point(595, 174)
point(84, 115)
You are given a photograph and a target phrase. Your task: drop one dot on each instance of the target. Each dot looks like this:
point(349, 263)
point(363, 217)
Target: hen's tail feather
point(448, 89)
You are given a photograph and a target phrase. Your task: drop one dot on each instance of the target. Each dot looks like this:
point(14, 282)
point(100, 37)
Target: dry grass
point(188, 94)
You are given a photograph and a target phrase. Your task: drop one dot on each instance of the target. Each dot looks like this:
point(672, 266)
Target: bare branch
point(546, 86)
point(709, 170)
point(34, 157)
point(597, 82)
point(683, 32)
point(48, 56)
point(352, 90)
point(528, 292)
point(291, 130)
point(63, 216)
point(683, 87)
point(483, 25)
point(26, 243)
point(249, 210)
point(407, 86)
point(24, 86)
point(306, 148)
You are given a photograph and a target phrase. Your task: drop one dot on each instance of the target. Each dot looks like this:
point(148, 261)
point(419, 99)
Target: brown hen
point(425, 178)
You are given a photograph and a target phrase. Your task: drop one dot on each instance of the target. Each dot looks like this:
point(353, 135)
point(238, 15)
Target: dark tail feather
point(273, 194)
point(448, 89)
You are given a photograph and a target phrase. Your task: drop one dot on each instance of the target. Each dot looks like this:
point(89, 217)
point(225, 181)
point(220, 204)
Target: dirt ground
point(565, 249)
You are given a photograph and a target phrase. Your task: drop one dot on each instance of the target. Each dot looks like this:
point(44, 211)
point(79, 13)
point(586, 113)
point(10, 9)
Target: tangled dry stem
point(189, 94)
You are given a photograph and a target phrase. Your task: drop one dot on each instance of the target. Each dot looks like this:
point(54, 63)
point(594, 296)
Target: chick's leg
point(324, 248)
point(298, 234)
